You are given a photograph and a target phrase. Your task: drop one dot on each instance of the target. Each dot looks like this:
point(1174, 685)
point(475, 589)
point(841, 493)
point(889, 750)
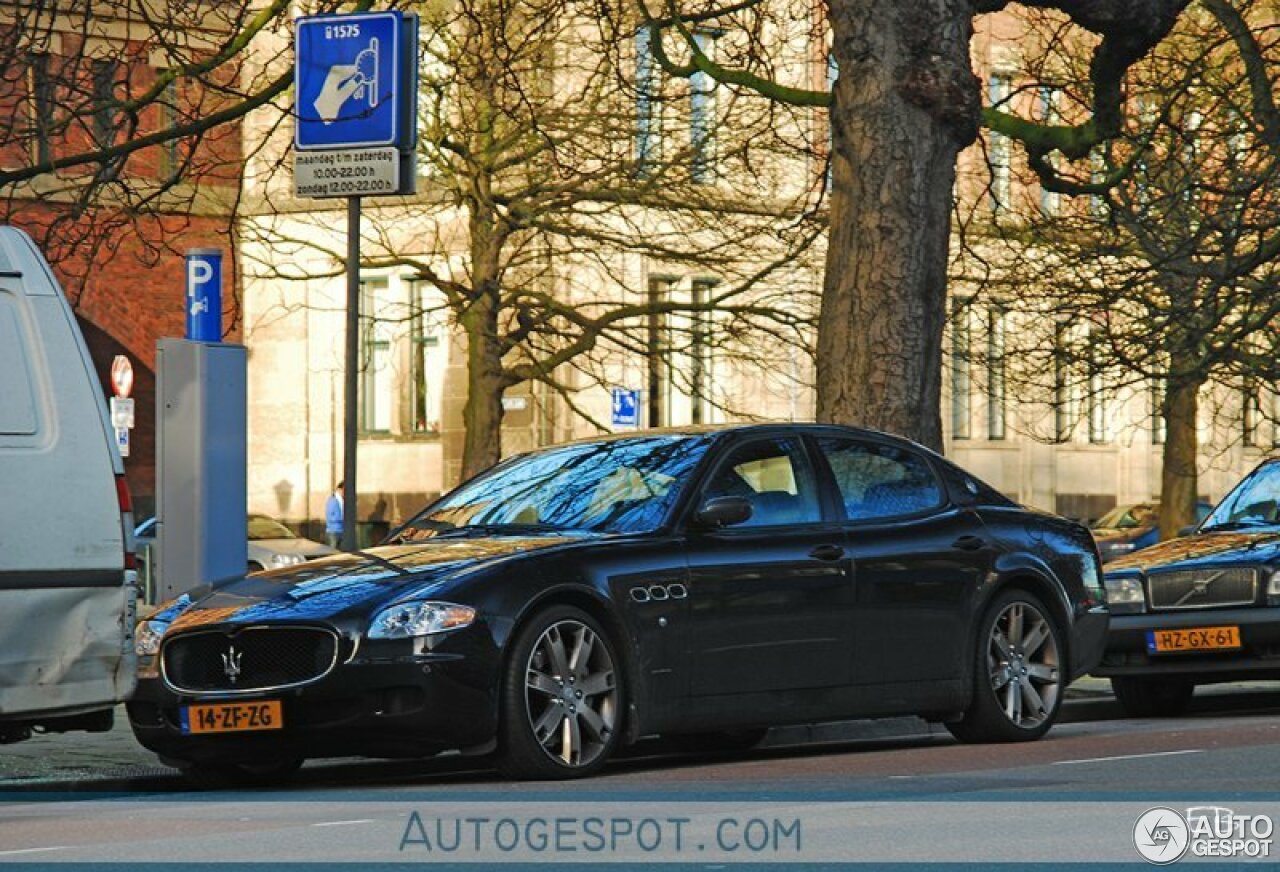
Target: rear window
point(17, 395)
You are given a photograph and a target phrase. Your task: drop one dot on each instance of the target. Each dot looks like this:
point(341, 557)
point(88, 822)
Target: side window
point(879, 481)
point(775, 477)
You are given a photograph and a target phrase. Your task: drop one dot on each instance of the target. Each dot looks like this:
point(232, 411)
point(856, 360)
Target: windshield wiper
point(1239, 524)
point(500, 529)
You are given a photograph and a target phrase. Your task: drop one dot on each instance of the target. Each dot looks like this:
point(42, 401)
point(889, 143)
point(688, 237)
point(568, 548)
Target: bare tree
point(555, 155)
point(906, 102)
point(1168, 280)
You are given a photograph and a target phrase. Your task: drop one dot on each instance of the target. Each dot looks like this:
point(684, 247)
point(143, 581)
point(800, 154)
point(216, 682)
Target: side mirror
point(1188, 530)
point(723, 512)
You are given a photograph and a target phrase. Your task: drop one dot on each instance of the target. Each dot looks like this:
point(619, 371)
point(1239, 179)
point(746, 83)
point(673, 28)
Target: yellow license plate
point(232, 717)
point(1193, 639)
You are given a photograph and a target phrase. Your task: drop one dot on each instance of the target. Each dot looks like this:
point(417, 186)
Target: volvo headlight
point(1124, 595)
point(1273, 588)
point(405, 620)
point(146, 637)
point(278, 560)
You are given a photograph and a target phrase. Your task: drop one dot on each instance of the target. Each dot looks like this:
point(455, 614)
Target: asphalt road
point(864, 800)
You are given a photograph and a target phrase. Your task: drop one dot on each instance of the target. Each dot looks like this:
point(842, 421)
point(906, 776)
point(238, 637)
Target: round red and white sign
point(122, 375)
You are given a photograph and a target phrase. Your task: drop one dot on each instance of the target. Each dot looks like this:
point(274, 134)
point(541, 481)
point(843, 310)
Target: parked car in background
point(271, 544)
point(67, 580)
point(570, 600)
point(1201, 608)
point(1131, 527)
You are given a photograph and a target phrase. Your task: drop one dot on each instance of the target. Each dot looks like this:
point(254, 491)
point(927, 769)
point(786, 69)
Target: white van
point(67, 576)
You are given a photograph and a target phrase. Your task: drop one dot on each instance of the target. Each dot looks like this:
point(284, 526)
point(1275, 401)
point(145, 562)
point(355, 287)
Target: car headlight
point(147, 636)
point(1273, 588)
point(278, 560)
point(1124, 595)
point(405, 620)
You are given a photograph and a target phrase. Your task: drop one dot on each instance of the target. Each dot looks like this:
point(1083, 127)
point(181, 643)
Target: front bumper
point(395, 705)
point(1258, 657)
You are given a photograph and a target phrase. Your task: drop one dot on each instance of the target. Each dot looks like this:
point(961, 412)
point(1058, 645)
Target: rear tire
point(563, 698)
point(1017, 676)
point(1153, 697)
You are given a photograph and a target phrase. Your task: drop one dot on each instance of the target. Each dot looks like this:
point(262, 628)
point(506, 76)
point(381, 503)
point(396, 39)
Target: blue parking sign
point(348, 78)
point(626, 407)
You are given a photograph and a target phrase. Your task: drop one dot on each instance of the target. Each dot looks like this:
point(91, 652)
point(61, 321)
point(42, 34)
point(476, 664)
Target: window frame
point(833, 483)
point(720, 455)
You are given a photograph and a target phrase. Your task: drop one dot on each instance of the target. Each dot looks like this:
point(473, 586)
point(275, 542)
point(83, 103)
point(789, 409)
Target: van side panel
point(66, 600)
point(64, 649)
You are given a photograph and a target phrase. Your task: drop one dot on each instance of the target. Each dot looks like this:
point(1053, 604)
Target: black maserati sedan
point(707, 581)
point(1199, 609)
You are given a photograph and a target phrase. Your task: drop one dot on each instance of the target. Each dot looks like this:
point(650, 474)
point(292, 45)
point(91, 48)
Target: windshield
point(1128, 517)
point(262, 527)
point(615, 486)
point(1252, 504)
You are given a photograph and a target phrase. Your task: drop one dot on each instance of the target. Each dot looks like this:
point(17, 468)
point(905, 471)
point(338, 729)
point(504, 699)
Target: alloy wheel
point(571, 693)
point(1022, 657)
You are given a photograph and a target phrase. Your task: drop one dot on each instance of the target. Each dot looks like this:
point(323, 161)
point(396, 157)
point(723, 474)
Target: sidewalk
point(74, 760)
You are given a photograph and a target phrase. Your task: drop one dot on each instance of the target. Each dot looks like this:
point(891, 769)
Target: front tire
point(1017, 674)
point(1153, 697)
point(563, 698)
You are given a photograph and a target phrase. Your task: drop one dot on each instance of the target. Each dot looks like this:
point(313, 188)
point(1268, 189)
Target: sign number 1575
point(341, 31)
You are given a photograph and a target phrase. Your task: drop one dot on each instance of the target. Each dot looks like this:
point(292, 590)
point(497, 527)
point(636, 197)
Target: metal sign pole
point(350, 515)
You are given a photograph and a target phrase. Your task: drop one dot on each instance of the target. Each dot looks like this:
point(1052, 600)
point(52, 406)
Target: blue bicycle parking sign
point(348, 78)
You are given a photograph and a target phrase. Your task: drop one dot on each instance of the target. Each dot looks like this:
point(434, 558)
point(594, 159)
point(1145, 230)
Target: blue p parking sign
point(349, 78)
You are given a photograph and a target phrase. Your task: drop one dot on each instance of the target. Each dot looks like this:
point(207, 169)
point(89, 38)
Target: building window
point(702, 115)
point(1000, 88)
point(104, 99)
point(1064, 400)
point(1251, 413)
point(167, 108)
point(960, 374)
point(657, 351)
point(376, 391)
point(648, 104)
point(42, 106)
point(427, 345)
point(1096, 397)
point(1159, 429)
point(1050, 99)
point(996, 317)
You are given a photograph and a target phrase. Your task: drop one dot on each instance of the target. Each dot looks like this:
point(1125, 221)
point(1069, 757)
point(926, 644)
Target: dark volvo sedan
point(573, 599)
point(1200, 609)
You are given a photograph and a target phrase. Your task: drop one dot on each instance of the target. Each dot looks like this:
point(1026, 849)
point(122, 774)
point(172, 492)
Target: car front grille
point(247, 659)
point(1202, 588)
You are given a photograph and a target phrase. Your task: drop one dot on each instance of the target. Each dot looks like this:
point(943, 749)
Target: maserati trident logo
point(231, 663)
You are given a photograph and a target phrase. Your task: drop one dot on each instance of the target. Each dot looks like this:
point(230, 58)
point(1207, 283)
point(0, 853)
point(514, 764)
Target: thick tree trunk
point(906, 102)
point(482, 414)
point(1179, 480)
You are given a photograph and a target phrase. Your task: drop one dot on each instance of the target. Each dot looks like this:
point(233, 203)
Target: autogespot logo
point(1161, 836)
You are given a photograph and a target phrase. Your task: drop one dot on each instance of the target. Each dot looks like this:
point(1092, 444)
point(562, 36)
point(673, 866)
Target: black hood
point(348, 584)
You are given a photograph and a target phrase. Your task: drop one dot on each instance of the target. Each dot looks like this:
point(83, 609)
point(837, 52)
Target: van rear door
point(66, 593)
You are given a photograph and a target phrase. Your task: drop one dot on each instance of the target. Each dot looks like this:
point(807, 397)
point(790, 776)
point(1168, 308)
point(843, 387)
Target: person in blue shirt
point(333, 517)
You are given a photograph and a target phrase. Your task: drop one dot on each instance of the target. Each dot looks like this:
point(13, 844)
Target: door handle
point(969, 543)
point(827, 552)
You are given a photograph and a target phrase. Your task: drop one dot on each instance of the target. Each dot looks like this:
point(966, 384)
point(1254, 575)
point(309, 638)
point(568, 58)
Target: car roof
point(724, 429)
